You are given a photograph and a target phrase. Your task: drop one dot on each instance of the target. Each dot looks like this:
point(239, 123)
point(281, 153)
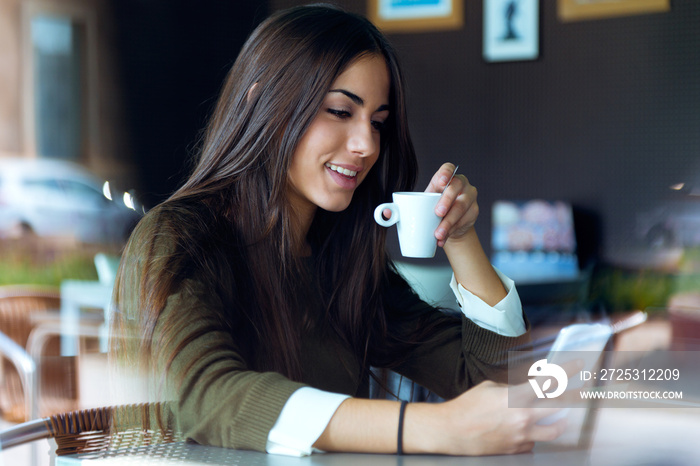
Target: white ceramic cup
point(415, 219)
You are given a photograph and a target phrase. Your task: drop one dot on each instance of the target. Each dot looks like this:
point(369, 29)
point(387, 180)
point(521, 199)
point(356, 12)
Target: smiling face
point(343, 141)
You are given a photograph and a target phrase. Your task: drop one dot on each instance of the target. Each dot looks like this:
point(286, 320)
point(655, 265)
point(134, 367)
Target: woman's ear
point(251, 92)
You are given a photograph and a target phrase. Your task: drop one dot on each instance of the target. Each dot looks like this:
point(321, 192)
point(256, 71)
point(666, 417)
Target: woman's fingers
point(459, 209)
point(440, 178)
point(457, 206)
point(487, 425)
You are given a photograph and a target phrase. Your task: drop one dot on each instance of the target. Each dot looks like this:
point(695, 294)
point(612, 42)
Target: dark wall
point(607, 118)
point(173, 57)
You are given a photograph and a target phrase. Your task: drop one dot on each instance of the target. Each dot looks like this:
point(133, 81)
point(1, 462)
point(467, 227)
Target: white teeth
point(341, 170)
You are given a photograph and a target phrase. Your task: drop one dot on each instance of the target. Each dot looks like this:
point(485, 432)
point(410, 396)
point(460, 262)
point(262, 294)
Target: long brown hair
point(230, 221)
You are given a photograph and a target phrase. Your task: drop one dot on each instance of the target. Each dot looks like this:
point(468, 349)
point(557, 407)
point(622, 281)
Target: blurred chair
point(46, 324)
point(98, 430)
point(21, 307)
point(107, 266)
point(20, 377)
point(78, 295)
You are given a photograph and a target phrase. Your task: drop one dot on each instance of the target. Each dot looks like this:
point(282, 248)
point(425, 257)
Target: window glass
point(57, 46)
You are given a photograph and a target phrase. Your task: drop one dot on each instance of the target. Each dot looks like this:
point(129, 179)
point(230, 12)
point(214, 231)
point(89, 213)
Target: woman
point(261, 293)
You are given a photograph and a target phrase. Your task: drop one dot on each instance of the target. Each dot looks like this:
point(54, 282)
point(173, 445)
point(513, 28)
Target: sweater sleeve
point(218, 400)
point(195, 358)
point(450, 353)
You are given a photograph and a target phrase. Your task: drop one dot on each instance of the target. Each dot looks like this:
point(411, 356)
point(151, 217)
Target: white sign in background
point(414, 9)
point(511, 30)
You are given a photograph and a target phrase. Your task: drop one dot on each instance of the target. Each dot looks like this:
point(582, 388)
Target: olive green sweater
point(220, 400)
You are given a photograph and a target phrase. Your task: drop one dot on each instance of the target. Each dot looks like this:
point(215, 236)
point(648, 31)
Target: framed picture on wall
point(511, 30)
point(416, 15)
point(575, 10)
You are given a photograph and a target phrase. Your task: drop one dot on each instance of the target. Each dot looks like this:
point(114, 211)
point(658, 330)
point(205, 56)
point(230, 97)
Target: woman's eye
point(339, 113)
point(378, 125)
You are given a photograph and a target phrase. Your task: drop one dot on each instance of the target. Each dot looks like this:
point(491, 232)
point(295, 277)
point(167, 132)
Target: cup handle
point(378, 214)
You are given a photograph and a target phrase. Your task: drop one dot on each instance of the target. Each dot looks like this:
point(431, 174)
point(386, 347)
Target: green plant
point(624, 290)
point(45, 262)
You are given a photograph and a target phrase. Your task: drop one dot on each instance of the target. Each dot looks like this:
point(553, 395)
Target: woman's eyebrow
point(357, 99)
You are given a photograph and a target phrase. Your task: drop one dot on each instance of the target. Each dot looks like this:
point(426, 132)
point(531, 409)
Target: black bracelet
point(399, 440)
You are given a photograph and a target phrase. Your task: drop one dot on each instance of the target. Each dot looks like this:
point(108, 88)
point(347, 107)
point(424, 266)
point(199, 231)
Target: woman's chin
point(337, 205)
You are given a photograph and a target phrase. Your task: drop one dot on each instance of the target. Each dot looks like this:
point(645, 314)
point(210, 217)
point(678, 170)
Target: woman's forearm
point(478, 422)
point(361, 425)
point(371, 426)
point(472, 268)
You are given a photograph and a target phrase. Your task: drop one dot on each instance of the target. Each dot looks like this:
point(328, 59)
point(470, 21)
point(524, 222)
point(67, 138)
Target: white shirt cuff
point(505, 318)
point(302, 421)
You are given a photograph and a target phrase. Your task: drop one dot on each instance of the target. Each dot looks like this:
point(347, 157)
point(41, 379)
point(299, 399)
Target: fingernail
point(441, 210)
point(440, 233)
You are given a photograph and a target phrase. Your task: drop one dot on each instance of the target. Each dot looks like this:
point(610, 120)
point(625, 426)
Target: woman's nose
point(361, 140)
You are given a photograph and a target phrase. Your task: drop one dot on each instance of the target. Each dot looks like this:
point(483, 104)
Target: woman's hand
point(478, 422)
point(458, 207)
point(456, 234)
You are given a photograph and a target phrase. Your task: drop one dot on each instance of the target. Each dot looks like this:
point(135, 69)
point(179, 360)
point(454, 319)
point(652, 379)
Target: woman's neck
point(301, 220)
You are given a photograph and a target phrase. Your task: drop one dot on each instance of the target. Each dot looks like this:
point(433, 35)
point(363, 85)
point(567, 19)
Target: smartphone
point(577, 343)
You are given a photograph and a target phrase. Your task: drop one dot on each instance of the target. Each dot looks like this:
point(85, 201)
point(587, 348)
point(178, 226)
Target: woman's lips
point(345, 181)
point(342, 170)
